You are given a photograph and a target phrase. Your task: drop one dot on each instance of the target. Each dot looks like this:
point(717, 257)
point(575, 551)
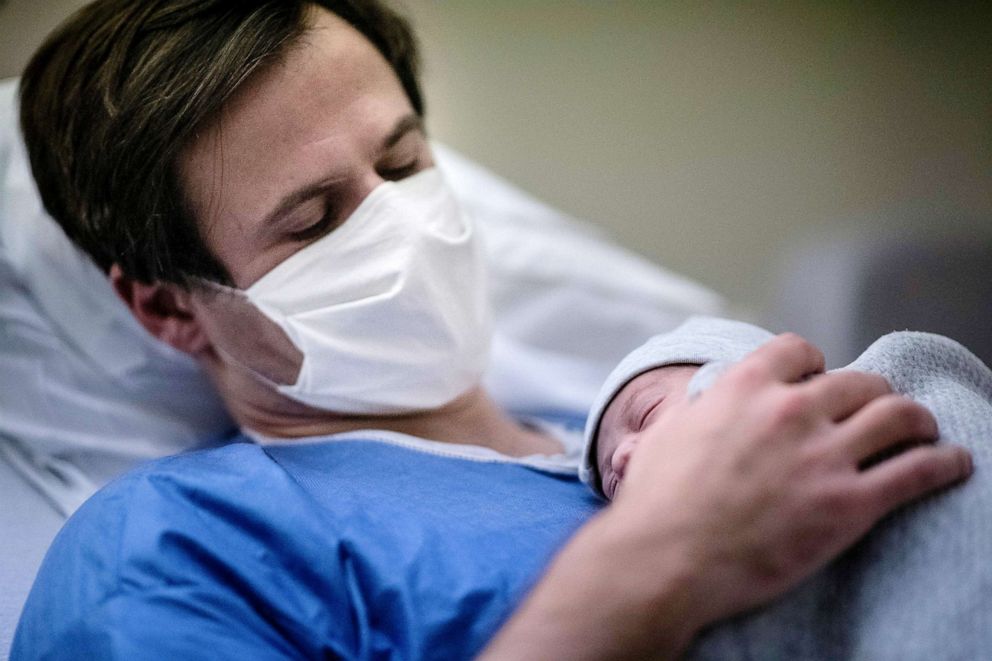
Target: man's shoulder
point(182, 544)
point(301, 543)
point(149, 524)
point(154, 498)
point(192, 520)
point(239, 483)
point(169, 478)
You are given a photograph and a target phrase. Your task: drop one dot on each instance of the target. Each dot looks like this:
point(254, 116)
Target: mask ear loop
point(270, 343)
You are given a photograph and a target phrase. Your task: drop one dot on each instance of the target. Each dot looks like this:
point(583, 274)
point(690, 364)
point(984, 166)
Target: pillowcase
point(85, 392)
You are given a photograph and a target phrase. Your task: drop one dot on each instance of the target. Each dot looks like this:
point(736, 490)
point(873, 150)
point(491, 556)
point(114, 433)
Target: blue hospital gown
point(351, 549)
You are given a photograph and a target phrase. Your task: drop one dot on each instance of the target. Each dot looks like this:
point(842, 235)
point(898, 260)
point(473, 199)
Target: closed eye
point(648, 412)
point(327, 221)
point(316, 230)
point(401, 172)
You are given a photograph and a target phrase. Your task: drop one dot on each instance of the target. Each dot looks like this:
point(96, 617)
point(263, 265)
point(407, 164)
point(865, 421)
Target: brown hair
point(113, 96)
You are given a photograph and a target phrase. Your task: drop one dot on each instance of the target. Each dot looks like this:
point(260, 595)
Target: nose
point(368, 182)
point(622, 457)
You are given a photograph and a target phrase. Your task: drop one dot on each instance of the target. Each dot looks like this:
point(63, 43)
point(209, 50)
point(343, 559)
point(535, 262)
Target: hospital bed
point(86, 394)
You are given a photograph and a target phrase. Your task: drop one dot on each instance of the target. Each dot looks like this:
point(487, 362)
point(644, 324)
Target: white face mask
point(390, 310)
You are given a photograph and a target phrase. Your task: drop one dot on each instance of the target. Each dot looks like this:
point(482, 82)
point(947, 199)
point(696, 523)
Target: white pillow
point(86, 392)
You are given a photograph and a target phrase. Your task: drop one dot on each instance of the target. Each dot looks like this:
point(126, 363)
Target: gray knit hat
point(699, 341)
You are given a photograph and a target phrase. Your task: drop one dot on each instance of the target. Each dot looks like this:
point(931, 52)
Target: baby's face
point(634, 408)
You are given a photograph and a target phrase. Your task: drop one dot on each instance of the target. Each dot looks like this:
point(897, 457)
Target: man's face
point(291, 156)
point(634, 408)
point(299, 147)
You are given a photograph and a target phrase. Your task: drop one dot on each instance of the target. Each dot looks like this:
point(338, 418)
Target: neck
point(472, 419)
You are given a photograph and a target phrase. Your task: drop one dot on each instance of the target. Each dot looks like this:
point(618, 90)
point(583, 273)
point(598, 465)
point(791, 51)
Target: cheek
point(605, 446)
point(240, 330)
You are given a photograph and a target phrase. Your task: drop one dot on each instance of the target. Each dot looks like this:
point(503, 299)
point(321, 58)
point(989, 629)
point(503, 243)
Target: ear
point(164, 309)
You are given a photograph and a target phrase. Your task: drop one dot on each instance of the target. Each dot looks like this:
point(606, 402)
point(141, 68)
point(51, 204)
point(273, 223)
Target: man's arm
point(732, 499)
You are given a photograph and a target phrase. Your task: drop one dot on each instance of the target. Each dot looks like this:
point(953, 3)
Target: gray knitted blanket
point(919, 586)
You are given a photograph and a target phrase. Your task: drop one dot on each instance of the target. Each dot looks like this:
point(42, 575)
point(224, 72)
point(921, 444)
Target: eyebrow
point(405, 125)
point(412, 122)
point(628, 406)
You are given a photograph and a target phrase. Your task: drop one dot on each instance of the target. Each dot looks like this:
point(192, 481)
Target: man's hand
point(730, 500)
point(760, 478)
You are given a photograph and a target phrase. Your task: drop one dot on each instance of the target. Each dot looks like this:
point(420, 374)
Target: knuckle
point(750, 373)
point(917, 420)
point(963, 461)
point(806, 550)
point(891, 405)
point(801, 345)
point(924, 476)
point(838, 502)
point(793, 340)
point(793, 405)
point(877, 384)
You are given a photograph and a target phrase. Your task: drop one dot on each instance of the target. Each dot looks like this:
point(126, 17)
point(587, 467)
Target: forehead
point(320, 107)
point(623, 403)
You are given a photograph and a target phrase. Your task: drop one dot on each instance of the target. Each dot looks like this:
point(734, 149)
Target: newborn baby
point(648, 381)
point(667, 369)
point(918, 585)
point(633, 409)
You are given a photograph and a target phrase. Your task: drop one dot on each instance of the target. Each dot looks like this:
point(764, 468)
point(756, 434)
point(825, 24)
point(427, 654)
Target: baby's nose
point(621, 457)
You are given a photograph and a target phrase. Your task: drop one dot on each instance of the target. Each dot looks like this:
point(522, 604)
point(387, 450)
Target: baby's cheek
point(616, 490)
point(606, 442)
point(605, 476)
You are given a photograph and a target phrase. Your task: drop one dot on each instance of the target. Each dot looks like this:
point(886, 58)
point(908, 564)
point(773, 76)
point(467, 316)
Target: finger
point(787, 357)
point(841, 394)
point(914, 474)
point(884, 422)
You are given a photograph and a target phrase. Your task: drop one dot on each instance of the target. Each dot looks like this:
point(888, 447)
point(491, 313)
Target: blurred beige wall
point(707, 135)
point(712, 135)
point(23, 24)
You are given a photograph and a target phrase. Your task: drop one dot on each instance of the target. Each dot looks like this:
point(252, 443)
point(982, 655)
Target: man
point(256, 181)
